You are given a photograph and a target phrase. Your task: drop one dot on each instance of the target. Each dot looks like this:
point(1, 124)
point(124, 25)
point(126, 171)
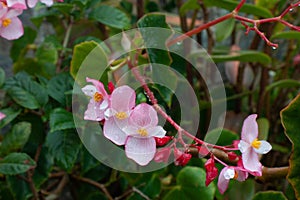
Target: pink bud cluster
point(11, 27)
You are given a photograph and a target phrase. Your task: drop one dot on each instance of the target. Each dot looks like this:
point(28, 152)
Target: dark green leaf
point(191, 185)
point(224, 29)
point(64, 146)
point(16, 163)
point(244, 56)
point(15, 139)
point(87, 55)
point(189, 5)
point(60, 119)
point(263, 128)
point(155, 39)
point(247, 8)
point(269, 195)
point(286, 83)
point(111, 16)
point(19, 188)
point(2, 76)
point(224, 136)
point(58, 86)
point(11, 114)
point(26, 85)
point(290, 119)
point(286, 35)
point(23, 98)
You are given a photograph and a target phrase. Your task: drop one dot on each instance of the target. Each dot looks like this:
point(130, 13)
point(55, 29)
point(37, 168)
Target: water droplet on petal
point(179, 43)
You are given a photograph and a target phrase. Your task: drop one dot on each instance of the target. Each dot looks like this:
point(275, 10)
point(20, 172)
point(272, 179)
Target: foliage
point(41, 150)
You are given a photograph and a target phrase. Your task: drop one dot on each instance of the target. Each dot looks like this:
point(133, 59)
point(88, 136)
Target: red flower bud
point(211, 171)
point(111, 87)
point(162, 141)
point(232, 156)
point(162, 155)
point(203, 151)
point(181, 158)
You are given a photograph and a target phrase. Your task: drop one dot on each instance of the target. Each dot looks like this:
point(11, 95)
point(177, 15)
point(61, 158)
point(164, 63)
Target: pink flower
point(10, 26)
point(211, 171)
point(228, 173)
point(142, 128)
point(122, 102)
point(16, 4)
point(32, 3)
point(99, 101)
point(250, 146)
point(162, 155)
point(2, 115)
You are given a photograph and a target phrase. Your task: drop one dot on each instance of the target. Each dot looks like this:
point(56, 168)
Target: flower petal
point(94, 112)
point(250, 129)
point(156, 131)
point(47, 2)
point(131, 130)
point(123, 99)
point(13, 31)
point(243, 146)
point(144, 115)
point(89, 90)
point(264, 148)
point(104, 104)
point(99, 86)
point(31, 3)
point(112, 132)
point(222, 181)
point(251, 161)
point(17, 4)
point(2, 115)
point(141, 150)
point(242, 175)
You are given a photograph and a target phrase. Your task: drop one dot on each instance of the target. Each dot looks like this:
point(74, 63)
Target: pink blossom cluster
point(2, 116)
point(248, 163)
point(11, 27)
point(135, 126)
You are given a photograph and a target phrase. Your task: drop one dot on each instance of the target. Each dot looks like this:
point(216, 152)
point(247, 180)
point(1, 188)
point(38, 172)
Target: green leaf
point(290, 119)
point(83, 57)
point(110, 16)
point(60, 119)
point(15, 139)
point(58, 86)
point(16, 163)
point(19, 188)
point(2, 77)
point(19, 45)
point(155, 39)
point(189, 5)
point(191, 185)
point(286, 83)
point(224, 29)
point(263, 128)
point(23, 98)
point(64, 146)
point(32, 91)
point(286, 35)
point(241, 190)
point(244, 56)
point(247, 8)
point(269, 195)
point(11, 114)
point(226, 137)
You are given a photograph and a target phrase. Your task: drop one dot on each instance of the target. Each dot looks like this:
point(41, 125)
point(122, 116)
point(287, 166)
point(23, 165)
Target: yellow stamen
point(256, 144)
point(98, 97)
point(6, 22)
point(121, 115)
point(143, 132)
point(236, 175)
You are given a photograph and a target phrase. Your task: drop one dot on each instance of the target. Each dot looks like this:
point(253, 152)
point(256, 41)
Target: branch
point(96, 184)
